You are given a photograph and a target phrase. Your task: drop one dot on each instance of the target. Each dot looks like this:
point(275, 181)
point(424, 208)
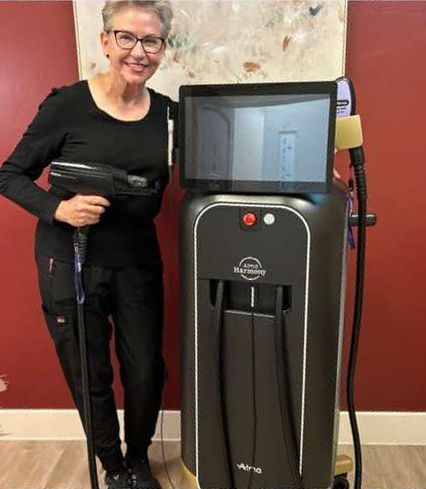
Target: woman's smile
point(137, 67)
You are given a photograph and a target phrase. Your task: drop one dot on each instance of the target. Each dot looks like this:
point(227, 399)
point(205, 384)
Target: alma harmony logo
point(250, 268)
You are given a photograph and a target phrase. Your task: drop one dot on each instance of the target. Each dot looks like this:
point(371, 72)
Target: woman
point(113, 119)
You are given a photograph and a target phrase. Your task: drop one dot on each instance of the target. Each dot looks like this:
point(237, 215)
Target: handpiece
point(99, 179)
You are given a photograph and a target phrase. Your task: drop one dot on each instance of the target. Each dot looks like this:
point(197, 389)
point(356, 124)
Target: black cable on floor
point(163, 453)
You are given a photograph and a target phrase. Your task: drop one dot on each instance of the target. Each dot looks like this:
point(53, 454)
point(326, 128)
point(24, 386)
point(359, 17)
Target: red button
point(249, 219)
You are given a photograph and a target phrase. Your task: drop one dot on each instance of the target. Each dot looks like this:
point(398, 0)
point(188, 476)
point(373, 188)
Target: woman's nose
point(138, 50)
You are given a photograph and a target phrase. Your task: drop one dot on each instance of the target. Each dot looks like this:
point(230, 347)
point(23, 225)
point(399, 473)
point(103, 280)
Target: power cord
point(163, 452)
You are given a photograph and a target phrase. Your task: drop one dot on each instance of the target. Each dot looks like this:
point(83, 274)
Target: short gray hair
point(163, 8)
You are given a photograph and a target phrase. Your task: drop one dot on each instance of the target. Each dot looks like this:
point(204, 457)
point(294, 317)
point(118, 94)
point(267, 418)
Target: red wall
point(385, 58)
point(386, 42)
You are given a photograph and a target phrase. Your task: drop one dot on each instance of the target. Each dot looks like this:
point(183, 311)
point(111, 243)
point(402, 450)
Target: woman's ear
point(104, 43)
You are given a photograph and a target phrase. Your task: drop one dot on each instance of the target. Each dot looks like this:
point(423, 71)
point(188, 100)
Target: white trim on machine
point(305, 319)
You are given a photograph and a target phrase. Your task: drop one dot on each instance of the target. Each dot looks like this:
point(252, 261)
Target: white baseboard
point(65, 424)
point(385, 428)
point(376, 428)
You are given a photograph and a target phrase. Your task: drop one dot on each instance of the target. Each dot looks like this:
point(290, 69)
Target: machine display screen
point(276, 138)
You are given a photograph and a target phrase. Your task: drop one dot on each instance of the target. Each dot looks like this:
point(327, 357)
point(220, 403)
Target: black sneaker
point(141, 477)
point(117, 480)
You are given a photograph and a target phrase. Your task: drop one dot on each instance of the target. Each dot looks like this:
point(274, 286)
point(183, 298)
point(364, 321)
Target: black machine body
point(263, 261)
point(297, 243)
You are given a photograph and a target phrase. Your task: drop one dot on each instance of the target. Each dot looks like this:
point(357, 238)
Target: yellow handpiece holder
point(348, 132)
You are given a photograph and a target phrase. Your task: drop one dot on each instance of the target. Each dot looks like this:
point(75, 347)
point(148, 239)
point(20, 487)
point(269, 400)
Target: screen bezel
point(254, 186)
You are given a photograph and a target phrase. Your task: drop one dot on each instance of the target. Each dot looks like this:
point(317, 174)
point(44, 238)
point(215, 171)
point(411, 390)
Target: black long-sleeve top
point(70, 127)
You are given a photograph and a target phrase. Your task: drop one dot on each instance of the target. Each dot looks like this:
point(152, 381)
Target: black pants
point(133, 297)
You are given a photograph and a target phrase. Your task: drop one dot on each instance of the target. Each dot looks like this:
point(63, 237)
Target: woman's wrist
point(59, 212)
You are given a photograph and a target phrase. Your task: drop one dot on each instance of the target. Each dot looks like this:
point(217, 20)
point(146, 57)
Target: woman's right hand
point(81, 210)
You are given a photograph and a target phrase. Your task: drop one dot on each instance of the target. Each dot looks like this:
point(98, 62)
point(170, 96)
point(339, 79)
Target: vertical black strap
point(283, 390)
point(254, 390)
point(220, 385)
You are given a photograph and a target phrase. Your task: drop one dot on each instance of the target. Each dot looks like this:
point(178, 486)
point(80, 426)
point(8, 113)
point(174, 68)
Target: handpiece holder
point(349, 136)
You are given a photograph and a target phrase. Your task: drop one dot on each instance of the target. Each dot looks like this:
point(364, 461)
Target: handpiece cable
point(80, 252)
point(357, 162)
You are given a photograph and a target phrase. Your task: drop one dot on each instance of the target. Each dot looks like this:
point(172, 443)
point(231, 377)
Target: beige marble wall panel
point(241, 41)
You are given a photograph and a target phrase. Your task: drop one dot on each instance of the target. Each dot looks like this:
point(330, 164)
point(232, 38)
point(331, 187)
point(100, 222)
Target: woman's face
point(136, 66)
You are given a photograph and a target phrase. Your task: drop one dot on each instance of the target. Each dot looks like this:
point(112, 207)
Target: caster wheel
point(341, 482)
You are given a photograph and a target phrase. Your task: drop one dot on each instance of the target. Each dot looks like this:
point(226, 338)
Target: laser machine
point(264, 233)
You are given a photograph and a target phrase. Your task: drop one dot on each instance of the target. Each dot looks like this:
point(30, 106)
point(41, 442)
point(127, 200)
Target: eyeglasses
point(127, 40)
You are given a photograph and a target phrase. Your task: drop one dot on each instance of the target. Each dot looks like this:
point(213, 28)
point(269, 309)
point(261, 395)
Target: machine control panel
point(251, 220)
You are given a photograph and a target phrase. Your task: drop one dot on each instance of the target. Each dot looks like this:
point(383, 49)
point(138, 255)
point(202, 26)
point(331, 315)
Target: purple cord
point(78, 279)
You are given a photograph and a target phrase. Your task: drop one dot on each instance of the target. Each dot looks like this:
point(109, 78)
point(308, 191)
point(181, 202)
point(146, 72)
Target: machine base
point(344, 465)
